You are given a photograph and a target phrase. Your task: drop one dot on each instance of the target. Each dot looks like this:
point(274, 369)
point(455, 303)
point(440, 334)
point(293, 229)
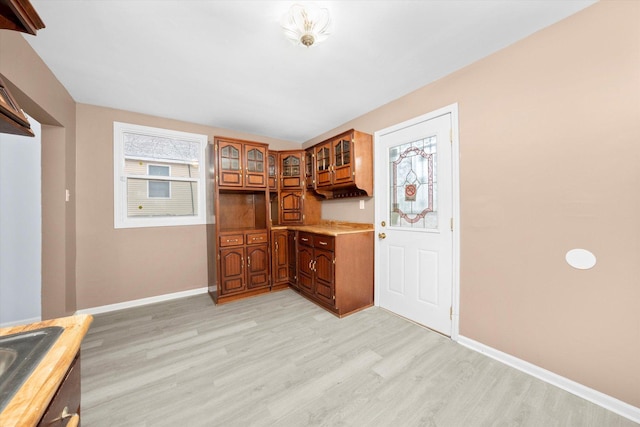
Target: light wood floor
point(278, 359)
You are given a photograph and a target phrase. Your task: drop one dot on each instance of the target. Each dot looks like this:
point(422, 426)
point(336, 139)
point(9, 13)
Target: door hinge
point(216, 147)
point(334, 261)
point(451, 313)
point(451, 223)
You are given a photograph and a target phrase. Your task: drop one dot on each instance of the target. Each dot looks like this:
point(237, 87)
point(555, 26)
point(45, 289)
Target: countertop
point(329, 228)
point(30, 402)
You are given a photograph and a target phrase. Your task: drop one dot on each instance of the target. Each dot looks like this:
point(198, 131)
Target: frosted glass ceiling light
point(306, 25)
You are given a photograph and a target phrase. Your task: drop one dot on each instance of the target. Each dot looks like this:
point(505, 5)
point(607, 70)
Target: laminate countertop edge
point(32, 399)
point(328, 229)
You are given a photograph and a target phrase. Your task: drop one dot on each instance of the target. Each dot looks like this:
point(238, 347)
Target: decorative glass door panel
point(255, 164)
point(230, 158)
point(291, 166)
point(255, 160)
point(323, 165)
point(342, 152)
point(413, 191)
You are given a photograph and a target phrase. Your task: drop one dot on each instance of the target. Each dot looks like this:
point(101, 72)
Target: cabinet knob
point(382, 236)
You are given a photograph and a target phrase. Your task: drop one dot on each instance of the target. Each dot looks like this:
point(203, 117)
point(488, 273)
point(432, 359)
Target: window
point(159, 177)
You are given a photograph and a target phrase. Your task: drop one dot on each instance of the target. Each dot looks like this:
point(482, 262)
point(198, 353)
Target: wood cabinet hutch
point(264, 201)
point(242, 220)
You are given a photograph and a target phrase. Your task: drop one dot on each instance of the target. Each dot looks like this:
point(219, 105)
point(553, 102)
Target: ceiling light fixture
point(306, 25)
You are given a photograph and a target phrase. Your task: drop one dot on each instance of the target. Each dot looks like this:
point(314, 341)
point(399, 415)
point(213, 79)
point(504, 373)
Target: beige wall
point(550, 155)
point(42, 96)
point(128, 264)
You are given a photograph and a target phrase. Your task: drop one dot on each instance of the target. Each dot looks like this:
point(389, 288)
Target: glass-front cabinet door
point(342, 154)
point(255, 167)
point(323, 165)
point(230, 163)
point(309, 168)
point(291, 170)
point(272, 172)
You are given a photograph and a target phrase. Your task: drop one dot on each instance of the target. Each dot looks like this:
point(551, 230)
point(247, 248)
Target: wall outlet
point(361, 204)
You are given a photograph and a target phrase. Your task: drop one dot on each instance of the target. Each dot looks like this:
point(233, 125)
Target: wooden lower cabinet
point(244, 263)
point(292, 259)
point(280, 258)
point(65, 404)
point(336, 271)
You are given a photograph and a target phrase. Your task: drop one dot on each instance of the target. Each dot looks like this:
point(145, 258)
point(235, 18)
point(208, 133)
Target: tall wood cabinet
point(242, 251)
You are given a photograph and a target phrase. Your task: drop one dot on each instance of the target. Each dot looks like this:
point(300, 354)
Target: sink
point(19, 355)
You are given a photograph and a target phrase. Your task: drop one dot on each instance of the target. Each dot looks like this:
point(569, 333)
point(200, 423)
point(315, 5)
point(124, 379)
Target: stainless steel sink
point(19, 355)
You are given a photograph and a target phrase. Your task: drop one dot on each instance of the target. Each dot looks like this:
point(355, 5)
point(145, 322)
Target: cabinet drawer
point(231, 240)
point(305, 238)
point(324, 242)
point(256, 238)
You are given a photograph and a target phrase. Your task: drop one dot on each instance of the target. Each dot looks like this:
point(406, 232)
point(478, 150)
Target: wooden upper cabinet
point(272, 170)
point(323, 165)
point(12, 119)
point(241, 164)
point(291, 169)
point(309, 168)
point(255, 166)
point(344, 165)
point(19, 15)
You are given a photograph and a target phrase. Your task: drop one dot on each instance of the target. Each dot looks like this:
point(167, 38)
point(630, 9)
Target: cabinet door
point(255, 166)
point(305, 272)
point(342, 150)
point(292, 258)
point(323, 165)
point(309, 168)
point(230, 164)
point(291, 170)
point(257, 266)
point(272, 170)
point(232, 270)
point(291, 207)
point(324, 272)
point(280, 256)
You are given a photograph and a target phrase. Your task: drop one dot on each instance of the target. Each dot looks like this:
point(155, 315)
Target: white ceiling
point(227, 63)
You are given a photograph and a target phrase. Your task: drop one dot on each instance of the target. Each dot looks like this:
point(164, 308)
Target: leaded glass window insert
point(255, 161)
point(413, 184)
point(291, 166)
point(230, 158)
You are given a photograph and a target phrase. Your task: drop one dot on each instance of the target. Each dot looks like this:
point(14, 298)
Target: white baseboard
point(142, 301)
point(20, 322)
point(594, 396)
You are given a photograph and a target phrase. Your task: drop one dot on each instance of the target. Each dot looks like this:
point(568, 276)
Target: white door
point(414, 220)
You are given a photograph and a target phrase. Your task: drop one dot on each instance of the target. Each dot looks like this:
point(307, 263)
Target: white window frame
point(121, 220)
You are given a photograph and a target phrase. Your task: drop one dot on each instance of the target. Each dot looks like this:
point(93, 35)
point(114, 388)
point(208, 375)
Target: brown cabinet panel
point(257, 266)
point(272, 170)
point(305, 269)
point(291, 208)
point(66, 400)
point(292, 259)
point(309, 168)
point(230, 163)
point(232, 270)
point(280, 256)
point(291, 169)
point(323, 165)
point(324, 274)
point(255, 166)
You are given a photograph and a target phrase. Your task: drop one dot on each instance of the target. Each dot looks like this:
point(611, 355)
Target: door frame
point(451, 109)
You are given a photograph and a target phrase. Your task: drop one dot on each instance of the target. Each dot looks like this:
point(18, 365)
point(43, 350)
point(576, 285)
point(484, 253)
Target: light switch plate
point(361, 204)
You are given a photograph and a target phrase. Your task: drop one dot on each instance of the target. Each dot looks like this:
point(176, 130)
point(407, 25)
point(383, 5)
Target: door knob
point(382, 236)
